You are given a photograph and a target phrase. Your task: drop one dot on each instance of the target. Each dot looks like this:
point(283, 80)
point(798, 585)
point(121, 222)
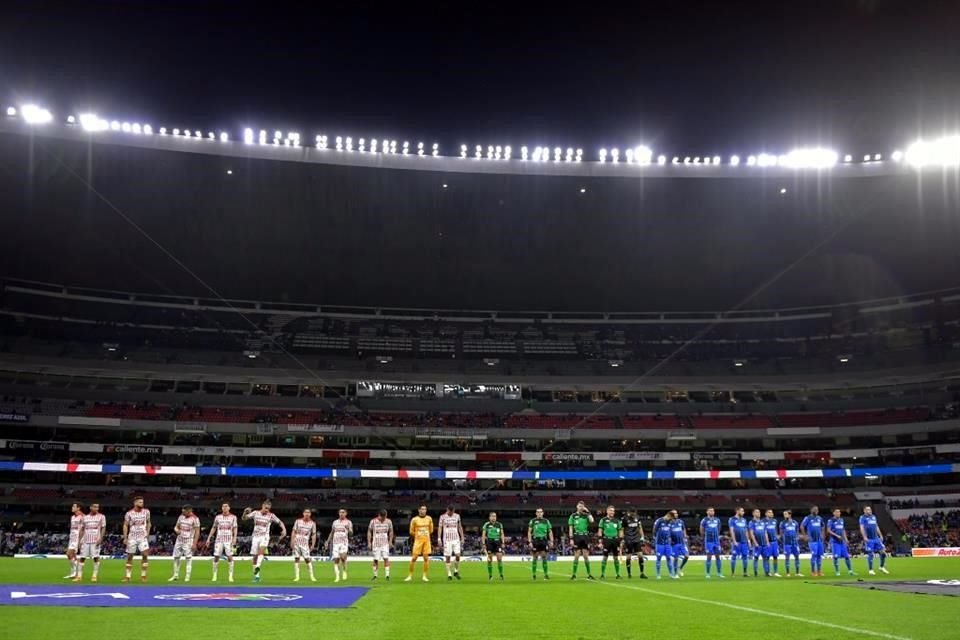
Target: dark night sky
point(698, 77)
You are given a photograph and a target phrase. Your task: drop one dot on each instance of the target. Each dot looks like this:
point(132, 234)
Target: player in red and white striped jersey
point(263, 519)
point(91, 536)
point(225, 527)
point(450, 539)
point(380, 541)
point(303, 540)
point(73, 545)
point(188, 535)
point(136, 537)
point(339, 544)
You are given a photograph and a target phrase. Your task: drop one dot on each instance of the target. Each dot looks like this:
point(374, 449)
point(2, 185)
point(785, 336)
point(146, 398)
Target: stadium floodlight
point(71, 120)
point(248, 136)
point(557, 154)
point(878, 157)
point(32, 114)
point(339, 143)
point(583, 189)
point(463, 151)
point(739, 363)
point(348, 144)
point(767, 160)
point(91, 123)
point(115, 125)
point(844, 358)
point(751, 161)
point(444, 185)
point(393, 146)
point(716, 159)
point(734, 161)
point(866, 157)
point(420, 149)
point(362, 145)
point(524, 152)
point(497, 152)
point(11, 112)
point(147, 130)
point(603, 155)
point(163, 131)
point(198, 134)
point(176, 132)
point(783, 190)
point(696, 160)
point(136, 128)
point(478, 152)
point(490, 152)
point(224, 137)
point(943, 152)
point(848, 158)
point(686, 160)
point(507, 152)
point(661, 160)
point(579, 156)
point(810, 158)
point(676, 160)
point(373, 145)
point(435, 151)
point(615, 155)
point(262, 136)
point(211, 135)
point(642, 154)
point(896, 156)
point(629, 154)
point(406, 147)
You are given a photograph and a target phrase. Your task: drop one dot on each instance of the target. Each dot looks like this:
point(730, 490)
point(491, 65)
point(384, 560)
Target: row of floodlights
point(942, 152)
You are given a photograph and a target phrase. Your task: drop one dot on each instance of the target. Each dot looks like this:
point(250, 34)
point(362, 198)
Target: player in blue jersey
point(872, 540)
point(771, 554)
point(662, 542)
point(739, 541)
point(758, 537)
point(678, 538)
point(710, 533)
point(790, 532)
point(812, 527)
point(839, 544)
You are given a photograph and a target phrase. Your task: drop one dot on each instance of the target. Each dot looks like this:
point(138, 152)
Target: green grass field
point(518, 607)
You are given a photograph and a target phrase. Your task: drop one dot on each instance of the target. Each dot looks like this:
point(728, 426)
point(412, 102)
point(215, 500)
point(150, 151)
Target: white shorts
point(137, 546)
point(183, 549)
point(223, 548)
point(74, 544)
point(301, 550)
point(451, 548)
point(381, 553)
point(259, 544)
point(89, 550)
point(339, 550)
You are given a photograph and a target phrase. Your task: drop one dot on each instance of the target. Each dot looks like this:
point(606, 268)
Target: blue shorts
point(874, 546)
point(680, 551)
point(757, 552)
point(791, 550)
point(772, 550)
point(740, 549)
point(816, 548)
point(840, 550)
point(711, 548)
point(664, 550)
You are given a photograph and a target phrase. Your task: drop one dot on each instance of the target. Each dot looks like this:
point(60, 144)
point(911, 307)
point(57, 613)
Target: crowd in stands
point(937, 529)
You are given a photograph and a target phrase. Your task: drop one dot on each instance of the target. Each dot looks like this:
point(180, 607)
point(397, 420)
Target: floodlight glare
point(91, 123)
point(71, 120)
point(224, 137)
point(734, 161)
point(896, 156)
point(848, 158)
point(661, 160)
point(810, 158)
point(32, 114)
point(147, 130)
point(943, 152)
point(12, 112)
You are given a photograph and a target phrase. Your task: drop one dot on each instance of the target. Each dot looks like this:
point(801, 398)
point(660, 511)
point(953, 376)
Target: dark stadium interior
point(287, 231)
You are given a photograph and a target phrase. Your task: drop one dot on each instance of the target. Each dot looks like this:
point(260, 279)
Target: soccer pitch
point(517, 607)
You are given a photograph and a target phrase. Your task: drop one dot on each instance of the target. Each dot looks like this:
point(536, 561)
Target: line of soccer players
point(758, 539)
